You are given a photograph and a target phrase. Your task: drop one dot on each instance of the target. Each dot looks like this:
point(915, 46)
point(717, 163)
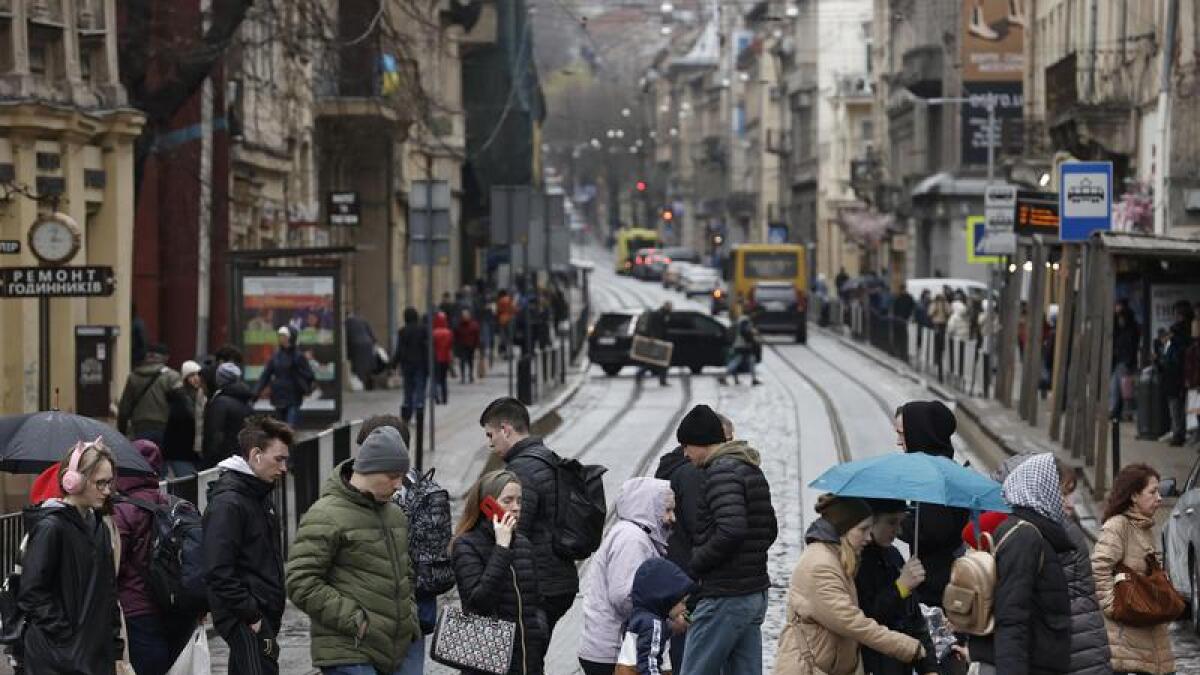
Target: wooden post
point(1010, 310)
point(1102, 365)
point(1066, 315)
point(1031, 371)
point(1078, 363)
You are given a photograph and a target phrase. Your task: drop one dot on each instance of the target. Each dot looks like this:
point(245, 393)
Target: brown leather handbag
point(1145, 599)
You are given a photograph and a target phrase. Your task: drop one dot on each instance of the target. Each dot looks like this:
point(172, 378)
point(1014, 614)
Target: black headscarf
point(928, 426)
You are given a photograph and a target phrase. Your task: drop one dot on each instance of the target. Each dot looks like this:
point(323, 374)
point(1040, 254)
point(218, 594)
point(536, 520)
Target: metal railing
point(312, 461)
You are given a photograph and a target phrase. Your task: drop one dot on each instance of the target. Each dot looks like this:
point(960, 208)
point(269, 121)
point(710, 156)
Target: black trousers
point(593, 668)
point(556, 607)
point(246, 655)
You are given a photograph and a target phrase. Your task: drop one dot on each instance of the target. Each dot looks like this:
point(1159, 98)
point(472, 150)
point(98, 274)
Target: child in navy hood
point(659, 592)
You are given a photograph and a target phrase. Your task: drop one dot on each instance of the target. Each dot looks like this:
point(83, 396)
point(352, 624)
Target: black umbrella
point(31, 443)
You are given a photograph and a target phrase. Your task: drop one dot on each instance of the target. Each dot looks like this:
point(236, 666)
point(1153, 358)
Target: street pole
point(430, 402)
point(512, 273)
point(44, 353)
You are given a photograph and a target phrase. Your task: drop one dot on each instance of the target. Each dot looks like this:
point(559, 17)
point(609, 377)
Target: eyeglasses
point(103, 484)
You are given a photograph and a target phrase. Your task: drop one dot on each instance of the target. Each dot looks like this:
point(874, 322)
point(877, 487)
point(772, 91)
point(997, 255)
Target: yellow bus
point(629, 240)
point(770, 268)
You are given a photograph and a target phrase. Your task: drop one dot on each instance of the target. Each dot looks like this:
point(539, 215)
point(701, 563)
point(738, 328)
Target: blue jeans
point(358, 669)
point(414, 664)
point(414, 391)
point(726, 635)
point(290, 414)
point(736, 362)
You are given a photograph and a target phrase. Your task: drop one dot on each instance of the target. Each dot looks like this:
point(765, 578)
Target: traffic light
point(641, 186)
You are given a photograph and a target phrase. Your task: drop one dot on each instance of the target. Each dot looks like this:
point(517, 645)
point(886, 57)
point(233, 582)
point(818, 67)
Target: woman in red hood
point(443, 355)
point(155, 639)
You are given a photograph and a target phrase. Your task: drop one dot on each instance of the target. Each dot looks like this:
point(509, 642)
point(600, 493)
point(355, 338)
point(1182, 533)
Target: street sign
point(1085, 199)
point(343, 208)
point(10, 246)
point(510, 214)
point(537, 231)
point(999, 204)
point(78, 281)
point(429, 223)
point(1037, 213)
point(976, 236)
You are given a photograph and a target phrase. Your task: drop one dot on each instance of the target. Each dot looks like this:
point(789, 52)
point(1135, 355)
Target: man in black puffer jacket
point(505, 422)
point(736, 525)
point(1031, 605)
point(225, 415)
point(243, 564)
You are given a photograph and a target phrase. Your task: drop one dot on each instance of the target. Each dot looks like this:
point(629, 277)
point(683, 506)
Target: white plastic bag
point(627, 660)
point(194, 659)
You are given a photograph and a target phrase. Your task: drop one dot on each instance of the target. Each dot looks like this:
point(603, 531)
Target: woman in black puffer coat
point(495, 570)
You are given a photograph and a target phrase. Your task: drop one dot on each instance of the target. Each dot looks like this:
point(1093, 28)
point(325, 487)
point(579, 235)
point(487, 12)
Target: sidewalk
point(996, 432)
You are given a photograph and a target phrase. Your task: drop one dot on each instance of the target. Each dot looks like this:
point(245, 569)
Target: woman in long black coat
point(495, 570)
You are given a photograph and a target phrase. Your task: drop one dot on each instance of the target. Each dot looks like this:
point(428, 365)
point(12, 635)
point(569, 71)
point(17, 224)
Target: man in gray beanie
point(349, 568)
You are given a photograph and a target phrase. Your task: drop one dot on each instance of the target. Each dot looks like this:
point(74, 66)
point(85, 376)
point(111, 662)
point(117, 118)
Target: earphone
point(72, 481)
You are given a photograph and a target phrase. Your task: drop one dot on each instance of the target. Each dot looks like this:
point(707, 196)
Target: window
point(868, 130)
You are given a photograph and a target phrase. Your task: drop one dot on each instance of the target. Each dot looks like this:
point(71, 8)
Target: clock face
point(53, 240)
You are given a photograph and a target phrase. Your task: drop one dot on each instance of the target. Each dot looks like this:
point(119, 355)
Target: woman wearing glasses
point(68, 585)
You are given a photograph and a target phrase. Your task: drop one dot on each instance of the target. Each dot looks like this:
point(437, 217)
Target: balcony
point(1097, 118)
point(922, 70)
point(364, 82)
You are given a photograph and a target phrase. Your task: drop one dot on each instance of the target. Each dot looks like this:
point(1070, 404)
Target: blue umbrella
point(915, 477)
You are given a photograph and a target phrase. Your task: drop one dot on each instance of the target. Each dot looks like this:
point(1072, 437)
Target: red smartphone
point(491, 508)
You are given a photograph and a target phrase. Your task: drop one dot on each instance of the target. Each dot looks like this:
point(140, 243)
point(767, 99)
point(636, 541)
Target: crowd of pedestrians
point(678, 580)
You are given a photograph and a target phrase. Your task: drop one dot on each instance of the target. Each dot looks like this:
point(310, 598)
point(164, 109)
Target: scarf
point(1034, 485)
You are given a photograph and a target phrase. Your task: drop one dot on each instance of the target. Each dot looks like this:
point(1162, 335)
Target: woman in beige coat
point(825, 626)
point(1126, 538)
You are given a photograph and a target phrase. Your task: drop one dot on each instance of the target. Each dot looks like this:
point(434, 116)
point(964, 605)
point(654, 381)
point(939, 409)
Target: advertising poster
point(307, 301)
point(993, 63)
point(1162, 303)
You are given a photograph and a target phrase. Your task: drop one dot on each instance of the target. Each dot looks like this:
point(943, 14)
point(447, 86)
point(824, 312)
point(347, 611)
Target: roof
point(1128, 243)
point(946, 183)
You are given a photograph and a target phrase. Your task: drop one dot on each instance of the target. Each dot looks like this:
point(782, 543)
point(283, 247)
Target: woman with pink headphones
point(68, 586)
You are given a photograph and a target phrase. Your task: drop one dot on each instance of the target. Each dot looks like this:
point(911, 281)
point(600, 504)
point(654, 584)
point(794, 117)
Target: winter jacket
point(638, 535)
point(443, 339)
point(958, 326)
point(1032, 607)
point(224, 417)
point(360, 346)
point(69, 593)
point(939, 313)
point(1126, 341)
point(530, 460)
point(349, 566)
point(138, 413)
point(1172, 360)
point(657, 586)
point(1128, 539)
point(136, 527)
point(289, 376)
point(687, 482)
point(879, 598)
point(412, 347)
point(928, 428)
point(504, 583)
point(736, 524)
point(466, 334)
point(654, 324)
point(505, 310)
point(824, 623)
point(186, 412)
point(1090, 654)
point(242, 561)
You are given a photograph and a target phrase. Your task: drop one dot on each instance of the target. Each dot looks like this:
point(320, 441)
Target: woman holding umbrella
point(825, 625)
point(68, 586)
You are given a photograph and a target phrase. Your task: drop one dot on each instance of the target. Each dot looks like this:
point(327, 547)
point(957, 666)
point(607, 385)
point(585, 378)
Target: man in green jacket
point(349, 569)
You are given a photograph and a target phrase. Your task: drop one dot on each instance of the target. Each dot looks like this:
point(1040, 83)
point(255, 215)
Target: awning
point(1130, 244)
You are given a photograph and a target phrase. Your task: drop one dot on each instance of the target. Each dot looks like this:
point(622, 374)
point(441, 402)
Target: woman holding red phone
point(495, 569)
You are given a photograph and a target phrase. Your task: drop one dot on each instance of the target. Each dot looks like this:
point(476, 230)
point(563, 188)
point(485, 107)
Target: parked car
point(671, 256)
point(974, 289)
point(779, 307)
point(699, 280)
point(1181, 539)
point(673, 275)
point(699, 339)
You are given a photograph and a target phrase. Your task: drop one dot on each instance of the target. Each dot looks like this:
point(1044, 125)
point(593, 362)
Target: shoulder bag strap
point(145, 390)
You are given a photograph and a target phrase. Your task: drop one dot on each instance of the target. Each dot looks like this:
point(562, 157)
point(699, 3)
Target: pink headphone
point(73, 481)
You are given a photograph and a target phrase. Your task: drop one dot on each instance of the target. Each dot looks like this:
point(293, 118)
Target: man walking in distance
point(505, 422)
point(145, 407)
point(736, 526)
point(243, 564)
point(349, 568)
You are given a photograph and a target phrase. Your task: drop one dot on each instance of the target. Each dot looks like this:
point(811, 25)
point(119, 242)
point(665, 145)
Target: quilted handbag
point(473, 642)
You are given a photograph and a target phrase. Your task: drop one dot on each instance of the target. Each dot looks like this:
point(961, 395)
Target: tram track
point(840, 439)
point(888, 410)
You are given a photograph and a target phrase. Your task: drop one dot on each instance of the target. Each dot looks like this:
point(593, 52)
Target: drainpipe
point(1091, 78)
point(1171, 12)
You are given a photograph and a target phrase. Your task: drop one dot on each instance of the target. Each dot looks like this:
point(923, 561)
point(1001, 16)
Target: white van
point(972, 288)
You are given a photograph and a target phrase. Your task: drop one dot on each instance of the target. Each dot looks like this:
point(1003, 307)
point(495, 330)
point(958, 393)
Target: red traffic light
point(641, 186)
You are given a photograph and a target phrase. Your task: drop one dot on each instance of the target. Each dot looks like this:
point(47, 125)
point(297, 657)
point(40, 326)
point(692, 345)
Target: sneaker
point(979, 28)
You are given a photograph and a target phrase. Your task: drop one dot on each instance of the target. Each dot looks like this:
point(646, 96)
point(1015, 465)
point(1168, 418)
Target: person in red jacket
point(443, 355)
point(466, 341)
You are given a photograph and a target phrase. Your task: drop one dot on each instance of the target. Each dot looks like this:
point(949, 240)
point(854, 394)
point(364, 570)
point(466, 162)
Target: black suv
point(699, 340)
point(779, 307)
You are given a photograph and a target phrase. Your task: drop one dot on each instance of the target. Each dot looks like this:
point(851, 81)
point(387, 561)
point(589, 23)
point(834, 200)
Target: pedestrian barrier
point(312, 460)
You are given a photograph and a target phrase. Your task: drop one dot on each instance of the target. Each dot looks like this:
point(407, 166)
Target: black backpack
point(581, 507)
point(175, 568)
point(427, 506)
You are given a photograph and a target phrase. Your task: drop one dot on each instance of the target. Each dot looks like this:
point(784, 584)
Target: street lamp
point(626, 112)
point(792, 11)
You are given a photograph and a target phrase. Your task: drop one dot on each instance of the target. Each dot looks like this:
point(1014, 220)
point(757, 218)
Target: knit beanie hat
point(843, 512)
point(188, 369)
point(700, 426)
point(227, 374)
point(383, 452)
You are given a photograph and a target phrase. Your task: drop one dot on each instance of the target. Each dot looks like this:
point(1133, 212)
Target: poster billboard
point(993, 66)
point(307, 301)
point(1163, 298)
